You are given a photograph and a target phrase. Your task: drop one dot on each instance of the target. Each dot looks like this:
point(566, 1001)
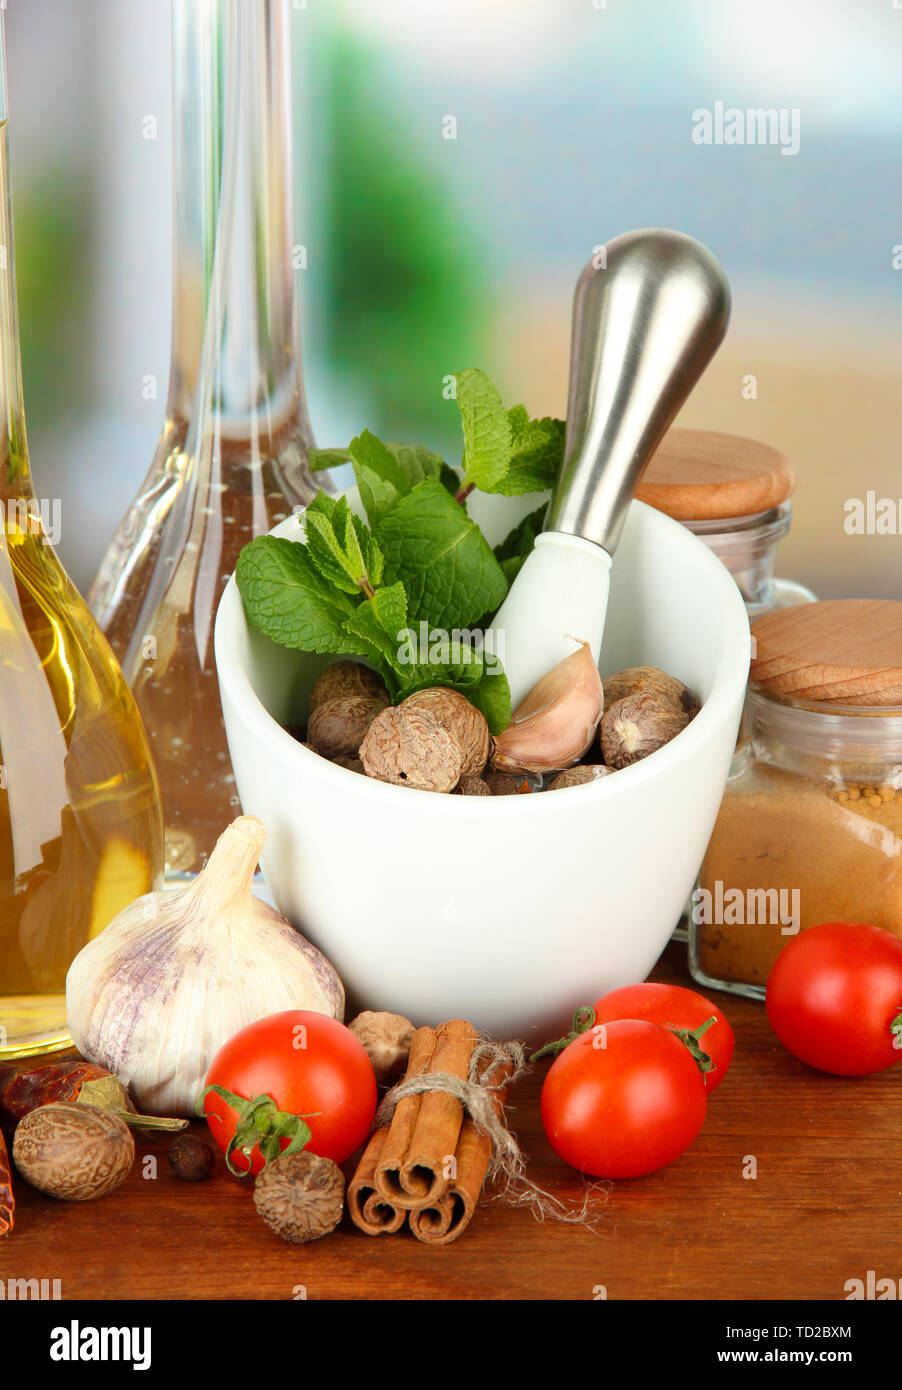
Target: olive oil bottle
point(80, 821)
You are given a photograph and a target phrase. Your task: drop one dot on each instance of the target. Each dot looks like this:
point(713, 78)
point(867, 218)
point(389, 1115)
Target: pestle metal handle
point(646, 322)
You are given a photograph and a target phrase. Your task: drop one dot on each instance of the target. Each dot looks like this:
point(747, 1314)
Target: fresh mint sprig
point(352, 592)
point(419, 564)
point(504, 450)
point(341, 547)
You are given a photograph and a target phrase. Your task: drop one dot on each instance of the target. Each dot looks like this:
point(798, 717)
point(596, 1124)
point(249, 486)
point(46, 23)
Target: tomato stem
point(896, 1029)
point(259, 1123)
point(690, 1037)
point(583, 1020)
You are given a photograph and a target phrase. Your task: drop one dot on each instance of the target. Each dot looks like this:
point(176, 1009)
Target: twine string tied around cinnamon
point(482, 1098)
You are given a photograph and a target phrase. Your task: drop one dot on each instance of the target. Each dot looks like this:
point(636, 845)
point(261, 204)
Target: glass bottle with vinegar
point(232, 460)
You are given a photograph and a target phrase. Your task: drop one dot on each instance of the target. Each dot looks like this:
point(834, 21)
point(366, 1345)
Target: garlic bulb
point(557, 720)
point(176, 974)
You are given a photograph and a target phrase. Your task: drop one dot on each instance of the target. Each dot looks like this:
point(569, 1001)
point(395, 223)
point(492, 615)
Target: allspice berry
point(462, 720)
point(578, 776)
point(190, 1158)
point(386, 1040)
point(337, 728)
point(300, 1196)
point(344, 678)
point(648, 680)
point(411, 748)
point(638, 725)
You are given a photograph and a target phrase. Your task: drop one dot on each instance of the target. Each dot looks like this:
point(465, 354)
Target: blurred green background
point(426, 254)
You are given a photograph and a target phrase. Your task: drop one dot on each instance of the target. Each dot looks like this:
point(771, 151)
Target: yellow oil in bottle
point(80, 821)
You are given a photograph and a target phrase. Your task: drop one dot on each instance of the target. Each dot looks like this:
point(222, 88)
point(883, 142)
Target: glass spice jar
point(733, 493)
point(810, 828)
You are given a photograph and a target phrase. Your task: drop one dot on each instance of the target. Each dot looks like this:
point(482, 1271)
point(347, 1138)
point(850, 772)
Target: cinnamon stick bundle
point(429, 1164)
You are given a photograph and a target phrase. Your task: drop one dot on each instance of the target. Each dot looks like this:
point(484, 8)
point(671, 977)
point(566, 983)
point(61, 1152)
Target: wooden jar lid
point(699, 475)
point(841, 651)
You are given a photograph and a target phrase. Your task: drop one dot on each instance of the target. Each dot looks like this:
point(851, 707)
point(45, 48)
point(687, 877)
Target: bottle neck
point(15, 481)
point(235, 345)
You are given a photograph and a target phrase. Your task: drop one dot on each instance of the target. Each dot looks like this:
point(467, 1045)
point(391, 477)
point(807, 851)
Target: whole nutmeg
point(73, 1152)
point(190, 1158)
point(411, 748)
point(300, 1196)
point(462, 720)
point(472, 786)
point(638, 725)
point(578, 776)
point(648, 680)
point(337, 728)
point(386, 1039)
point(345, 678)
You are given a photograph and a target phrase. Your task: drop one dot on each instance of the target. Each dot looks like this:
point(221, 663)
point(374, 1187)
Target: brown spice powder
point(841, 848)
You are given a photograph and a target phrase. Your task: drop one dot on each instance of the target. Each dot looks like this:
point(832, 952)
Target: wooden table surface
point(825, 1207)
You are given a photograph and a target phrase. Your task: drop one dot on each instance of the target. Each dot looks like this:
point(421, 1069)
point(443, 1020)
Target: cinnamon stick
point(387, 1172)
point(438, 1223)
point(426, 1171)
point(369, 1210)
point(448, 1217)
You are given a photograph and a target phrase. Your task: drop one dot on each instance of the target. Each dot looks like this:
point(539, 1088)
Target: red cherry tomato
point(622, 1100)
point(310, 1065)
point(673, 1006)
point(833, 995)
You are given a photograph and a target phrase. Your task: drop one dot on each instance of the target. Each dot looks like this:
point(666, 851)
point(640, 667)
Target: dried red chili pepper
point(58, 1081)
point(74, 1081)
point(7, 1200)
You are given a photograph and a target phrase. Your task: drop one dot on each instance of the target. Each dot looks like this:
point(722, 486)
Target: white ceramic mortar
point(508, 911)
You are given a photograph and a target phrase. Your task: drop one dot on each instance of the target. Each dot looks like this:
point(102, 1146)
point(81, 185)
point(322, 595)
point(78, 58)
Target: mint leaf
point(327, 504)
point(372, 555)
point(518, 416)
point(432, 546)
point(493, 697)
point(419, 463)
point(536, 456)
point(504, 450)
point(518, 543)
point(378, 625)
point(487, 431)
point(380, 478)
point(415, 462)
point(327, 458)
point(341, 547)
point(286, 597)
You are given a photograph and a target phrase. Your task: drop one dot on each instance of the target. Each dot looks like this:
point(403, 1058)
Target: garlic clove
point(556, 722)
point(156, 995)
